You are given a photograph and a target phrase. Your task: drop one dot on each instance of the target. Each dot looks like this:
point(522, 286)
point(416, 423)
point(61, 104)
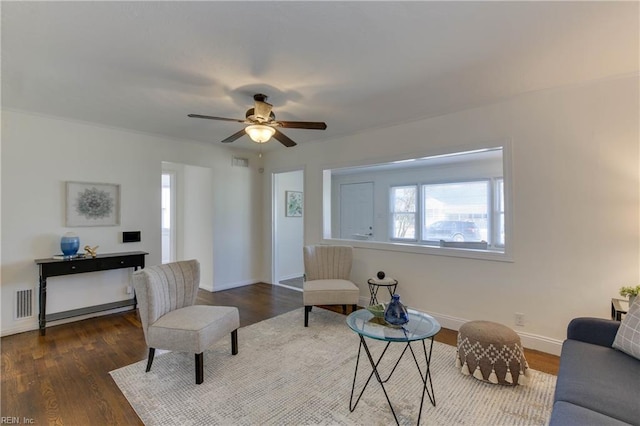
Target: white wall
point(196, 217)
point(576, 192)
point(39, 154)
point(237, 210)
point(289, 231)
point(576, 234)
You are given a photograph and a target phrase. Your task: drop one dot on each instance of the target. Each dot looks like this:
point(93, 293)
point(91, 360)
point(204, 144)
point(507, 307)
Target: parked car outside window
point(453, 230)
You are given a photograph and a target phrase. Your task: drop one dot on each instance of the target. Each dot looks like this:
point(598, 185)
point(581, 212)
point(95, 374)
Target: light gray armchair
point(166, 295)
point(327, 271)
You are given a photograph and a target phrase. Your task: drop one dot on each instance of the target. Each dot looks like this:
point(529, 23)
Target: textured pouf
point(491, 352)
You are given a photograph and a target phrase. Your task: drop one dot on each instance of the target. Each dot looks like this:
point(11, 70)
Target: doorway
point(168, 217)
point(288, 230)
point(187, 225)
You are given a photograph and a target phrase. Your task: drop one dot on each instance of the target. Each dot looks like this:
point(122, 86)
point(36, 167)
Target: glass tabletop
point(420, 326)
point(371, 281)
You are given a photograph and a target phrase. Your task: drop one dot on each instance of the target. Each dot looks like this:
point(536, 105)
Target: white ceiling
point(355, 65)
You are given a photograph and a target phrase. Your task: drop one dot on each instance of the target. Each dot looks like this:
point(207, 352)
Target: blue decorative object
point(396, 313)
point(69, 244)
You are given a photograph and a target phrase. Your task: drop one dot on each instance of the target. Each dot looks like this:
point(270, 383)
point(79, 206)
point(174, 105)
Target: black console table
point(103, 262)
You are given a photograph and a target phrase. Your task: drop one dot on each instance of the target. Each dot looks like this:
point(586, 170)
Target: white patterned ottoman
point(491, 352)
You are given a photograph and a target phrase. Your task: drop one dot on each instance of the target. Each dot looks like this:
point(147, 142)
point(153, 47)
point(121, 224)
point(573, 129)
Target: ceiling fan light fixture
point(259, 133)
point(262, 124)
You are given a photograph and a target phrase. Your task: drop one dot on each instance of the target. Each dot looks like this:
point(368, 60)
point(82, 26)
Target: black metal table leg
point(373, 290)
point(42, 320)
point(374, 370)
point(426, 379)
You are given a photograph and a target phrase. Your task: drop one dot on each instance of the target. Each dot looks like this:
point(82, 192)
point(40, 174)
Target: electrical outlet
point(129, 289)
point(519, 319)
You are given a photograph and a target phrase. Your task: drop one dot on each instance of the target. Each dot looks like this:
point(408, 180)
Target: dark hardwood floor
point(63, 378)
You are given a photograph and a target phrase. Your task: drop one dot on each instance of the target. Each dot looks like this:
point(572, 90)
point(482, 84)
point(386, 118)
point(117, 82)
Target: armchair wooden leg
point(307, 309)
point(354, 308)
point(344, 309)
point(234, 342)
point(152, 352)
point(199, 368)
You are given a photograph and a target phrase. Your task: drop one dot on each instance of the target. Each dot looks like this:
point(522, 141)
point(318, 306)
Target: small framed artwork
point(293, 207)
point(92, 204)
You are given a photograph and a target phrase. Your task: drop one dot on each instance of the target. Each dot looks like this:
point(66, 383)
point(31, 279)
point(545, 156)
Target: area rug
point(286, 374)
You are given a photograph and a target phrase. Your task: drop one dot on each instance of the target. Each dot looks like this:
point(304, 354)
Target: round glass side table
point(375, 284)
point(420, 327)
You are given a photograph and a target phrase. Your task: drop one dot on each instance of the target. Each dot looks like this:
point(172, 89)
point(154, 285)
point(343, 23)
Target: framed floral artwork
point(92, 204)
point(293, 207)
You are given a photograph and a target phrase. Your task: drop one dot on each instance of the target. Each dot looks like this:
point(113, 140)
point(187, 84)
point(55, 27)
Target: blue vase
point(69, 244)
point(396, 313)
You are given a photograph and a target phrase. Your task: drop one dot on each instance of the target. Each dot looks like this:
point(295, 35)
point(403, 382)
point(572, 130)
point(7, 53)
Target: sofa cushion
point(628, 336)
point(568, 414)
point(599, 378)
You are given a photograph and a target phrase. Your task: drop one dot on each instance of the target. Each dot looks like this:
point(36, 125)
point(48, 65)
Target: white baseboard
point(237, 284)
point(290, 277)
point(529, 340)
point(22, 328)
point(32, 325)
point(541, 343)
point(207, 287)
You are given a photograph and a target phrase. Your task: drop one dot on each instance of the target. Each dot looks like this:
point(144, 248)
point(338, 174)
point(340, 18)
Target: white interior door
point(356, 211)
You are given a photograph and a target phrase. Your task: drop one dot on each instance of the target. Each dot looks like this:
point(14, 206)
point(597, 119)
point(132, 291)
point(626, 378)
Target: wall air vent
point(24, 303)
point(240, 162)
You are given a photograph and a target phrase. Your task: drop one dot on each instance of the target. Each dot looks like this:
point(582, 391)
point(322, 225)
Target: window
point(451, 211)
point(403, 212)
point(499, 213)
point(456, 211)
point(458, 197)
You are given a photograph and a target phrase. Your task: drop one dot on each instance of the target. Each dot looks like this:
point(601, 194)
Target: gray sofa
point(597, 385)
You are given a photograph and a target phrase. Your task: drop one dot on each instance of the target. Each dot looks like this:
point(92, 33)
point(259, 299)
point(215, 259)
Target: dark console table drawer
point(104, 262)
point(68, 267)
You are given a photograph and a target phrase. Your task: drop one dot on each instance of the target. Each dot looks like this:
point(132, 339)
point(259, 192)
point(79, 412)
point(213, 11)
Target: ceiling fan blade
point(208, 117)
point(284, 139)
point(303, 125)
point(236, 135)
